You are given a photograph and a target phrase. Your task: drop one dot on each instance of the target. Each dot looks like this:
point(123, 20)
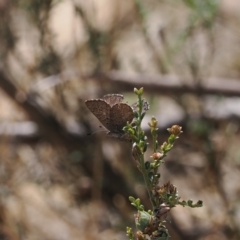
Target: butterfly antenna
point(102, 130)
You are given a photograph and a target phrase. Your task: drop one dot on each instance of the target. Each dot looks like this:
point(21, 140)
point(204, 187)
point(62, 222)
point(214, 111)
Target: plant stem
point(147, 181)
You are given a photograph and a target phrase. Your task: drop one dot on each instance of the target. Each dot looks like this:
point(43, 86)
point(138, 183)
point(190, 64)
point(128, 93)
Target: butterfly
point(113, 114)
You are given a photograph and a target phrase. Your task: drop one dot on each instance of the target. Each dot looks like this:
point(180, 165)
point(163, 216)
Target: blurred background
point(59, 183)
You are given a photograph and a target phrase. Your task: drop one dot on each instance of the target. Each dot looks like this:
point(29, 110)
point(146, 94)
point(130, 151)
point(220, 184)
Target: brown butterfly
point(114, 114)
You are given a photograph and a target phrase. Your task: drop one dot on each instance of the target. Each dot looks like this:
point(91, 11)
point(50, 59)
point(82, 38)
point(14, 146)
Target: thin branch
point(164, 85)
point(169, 84)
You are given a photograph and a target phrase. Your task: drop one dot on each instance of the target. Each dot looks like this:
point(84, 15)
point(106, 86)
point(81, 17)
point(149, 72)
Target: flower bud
point(176, 130)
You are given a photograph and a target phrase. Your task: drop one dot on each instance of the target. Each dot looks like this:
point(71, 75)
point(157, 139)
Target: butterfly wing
point(101, 109)
point(145, 106)
point(112, 99)
point(120, 114)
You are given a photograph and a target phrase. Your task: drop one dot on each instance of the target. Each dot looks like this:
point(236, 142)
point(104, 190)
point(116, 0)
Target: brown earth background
point(59, 183)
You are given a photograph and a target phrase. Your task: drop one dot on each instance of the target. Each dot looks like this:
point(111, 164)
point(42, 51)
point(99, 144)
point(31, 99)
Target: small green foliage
point(161, 234)
point(142, 220)
point(190, 203)
point(129, 232)
point(147, 165)
point(203, 12)
point(150, 224)
point(136, 203)
point(138, 92)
